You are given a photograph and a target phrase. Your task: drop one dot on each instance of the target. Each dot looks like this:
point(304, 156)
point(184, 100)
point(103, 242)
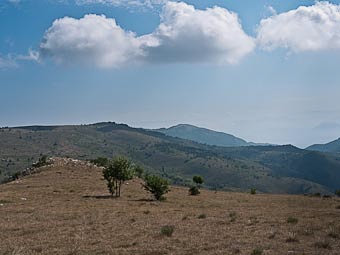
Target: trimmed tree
point(194, 190)
point(116, 173)
point(157, 186)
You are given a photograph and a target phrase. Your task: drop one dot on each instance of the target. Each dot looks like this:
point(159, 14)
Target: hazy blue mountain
point(333, 146)
point(205, 136)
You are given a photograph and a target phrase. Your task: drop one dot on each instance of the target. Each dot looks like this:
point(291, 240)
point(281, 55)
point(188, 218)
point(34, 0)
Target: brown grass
point(66, 209)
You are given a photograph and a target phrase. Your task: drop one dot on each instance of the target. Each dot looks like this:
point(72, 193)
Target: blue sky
point(269, 74)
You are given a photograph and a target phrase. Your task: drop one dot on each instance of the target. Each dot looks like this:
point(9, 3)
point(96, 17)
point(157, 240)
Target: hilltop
point(64, 208)
point(274, 169)
point(333, 146)
point(203, 135)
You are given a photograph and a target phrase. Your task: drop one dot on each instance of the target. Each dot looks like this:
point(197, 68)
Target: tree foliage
point(198, 179)
point(194, 190)
point(157, 186)
point(116, 173)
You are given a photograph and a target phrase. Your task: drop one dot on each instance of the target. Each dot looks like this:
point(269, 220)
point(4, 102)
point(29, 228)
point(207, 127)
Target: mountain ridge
point(206, 136)
point(272, 169)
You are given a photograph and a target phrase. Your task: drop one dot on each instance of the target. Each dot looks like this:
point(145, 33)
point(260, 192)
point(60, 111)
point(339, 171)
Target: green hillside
point(277, 169)
point(333, 146)
point(203, 135)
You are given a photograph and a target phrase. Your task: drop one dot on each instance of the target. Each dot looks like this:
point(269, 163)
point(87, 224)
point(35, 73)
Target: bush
point(116, 173)
point(292, 220)
point(167, 230)
point(139, 171)
point(257, 251)
point(100, 161)
point(194, 191)
point(202, 216)
point(197, 179)
point(253, 191)
point(42, 161)
point(337, 192)
point(157, 186)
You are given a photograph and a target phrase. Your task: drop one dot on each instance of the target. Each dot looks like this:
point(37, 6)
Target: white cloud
point(311, 28)
point(31, 56)
point(184, 35)
point(93, 39)
point(7, 62)
point(190, 35)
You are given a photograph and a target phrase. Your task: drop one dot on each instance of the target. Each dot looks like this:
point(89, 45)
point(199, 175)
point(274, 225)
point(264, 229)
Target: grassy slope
point(177, 159)
point(64, 209)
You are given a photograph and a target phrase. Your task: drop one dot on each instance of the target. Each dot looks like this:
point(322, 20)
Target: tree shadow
point(143, 200)
point(100, 197)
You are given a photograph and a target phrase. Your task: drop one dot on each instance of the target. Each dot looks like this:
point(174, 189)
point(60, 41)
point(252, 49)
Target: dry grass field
point(65, 209)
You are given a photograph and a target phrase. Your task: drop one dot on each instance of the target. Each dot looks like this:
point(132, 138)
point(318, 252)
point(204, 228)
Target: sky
point(266, 70)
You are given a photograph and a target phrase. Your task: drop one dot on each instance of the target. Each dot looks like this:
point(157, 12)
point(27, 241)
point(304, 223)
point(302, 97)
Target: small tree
point(194, 190)
point(198, 180)
point(139, 171)
point(116, 173)
point(157, 186)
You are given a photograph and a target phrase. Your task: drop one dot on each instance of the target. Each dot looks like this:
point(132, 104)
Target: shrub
point(157, 186)
point(139, 171)
point(292, 220)
point(337, 192)
point(100, 161)
point(42, 161)
point(253, 191)
point(257, 251)
point(116, 173)
point(202, 216)
point(194, 191)
point(167, 230)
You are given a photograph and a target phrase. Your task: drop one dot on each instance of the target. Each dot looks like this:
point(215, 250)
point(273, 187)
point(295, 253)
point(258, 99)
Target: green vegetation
point(292, 220)
point(167, 230)
point(42, 161)
point(202, 216)
point(194, 190)
point(257, 251)
point(337, 192)
point(277, 169)
point(157, 186)
point(116, 173)
point(252, 191)
point(139, 171)
point(100, 161)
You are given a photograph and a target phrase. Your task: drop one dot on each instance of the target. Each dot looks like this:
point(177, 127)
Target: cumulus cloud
point(93, 39)
point(185, 34)
point(311, 28)
point(190, 35)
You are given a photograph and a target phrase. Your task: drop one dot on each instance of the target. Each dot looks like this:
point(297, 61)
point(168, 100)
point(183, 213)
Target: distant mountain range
point(333, 146)
point(275, 169)
point(205, 136)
